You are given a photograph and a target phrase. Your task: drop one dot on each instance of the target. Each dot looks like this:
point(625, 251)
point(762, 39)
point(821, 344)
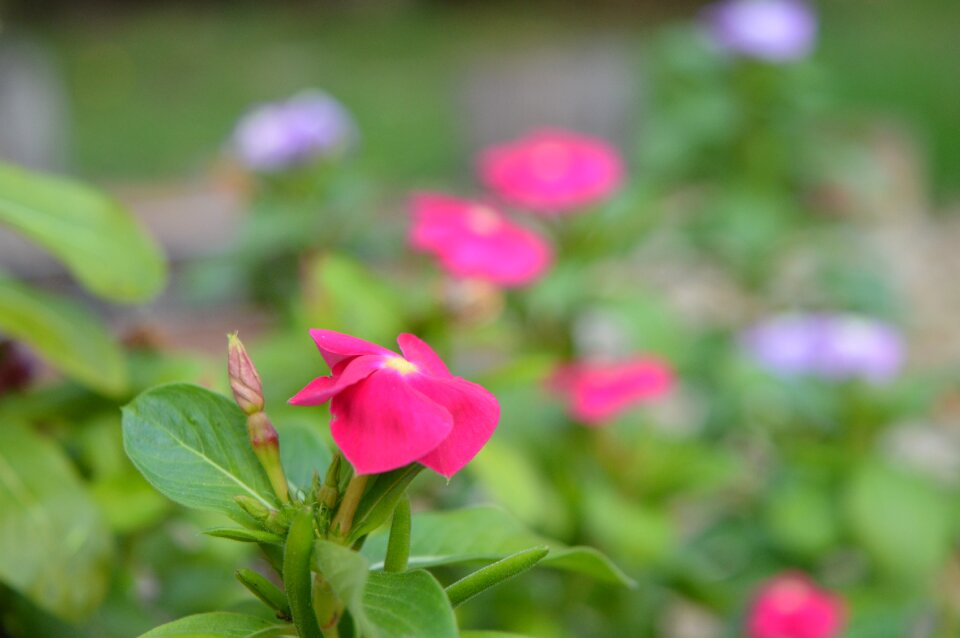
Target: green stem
point(297, 576)
point(492, 575)
point(398, 547)
point(343, 520)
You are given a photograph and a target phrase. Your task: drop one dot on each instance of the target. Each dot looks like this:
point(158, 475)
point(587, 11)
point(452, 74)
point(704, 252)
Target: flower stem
point(343, 520)
point(297, 576)
point(398, 547)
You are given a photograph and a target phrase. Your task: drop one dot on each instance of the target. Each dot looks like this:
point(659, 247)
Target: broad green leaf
point(54, 546)
point(901, 520)
point(191, 444)
point(64, 334)
point(489, 634)
point(411, 604)
point(487, 534)
point(102, 244)
point(221, 625)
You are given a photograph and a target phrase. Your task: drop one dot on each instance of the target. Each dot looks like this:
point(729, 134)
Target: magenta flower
point(280, 135)
point(831, 346)
point(791, 606)
point(770, 30)
point(598, 392)
point(473, 241)
point(391, 410)
point(552, 171)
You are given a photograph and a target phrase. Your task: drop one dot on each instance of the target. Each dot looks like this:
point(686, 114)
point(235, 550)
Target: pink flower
point(552, 171)
point(472, 240)
point(598, 392)
point(391, 410)
point(791, 606)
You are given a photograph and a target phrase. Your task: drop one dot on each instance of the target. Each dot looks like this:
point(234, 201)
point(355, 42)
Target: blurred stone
point(684, 619)
point(33, 132)
point(927, 449)
point(588, 86)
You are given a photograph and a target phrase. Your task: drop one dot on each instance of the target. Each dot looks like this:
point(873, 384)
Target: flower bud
point(252, 506)
point(244, 378)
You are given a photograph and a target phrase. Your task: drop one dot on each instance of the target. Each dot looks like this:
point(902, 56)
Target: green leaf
point(303, 451)
point(64, 334)
point(487, 534)
point(411, 604)
point(346, 296)
point(494, 574)
point(381, 498)
point(191, 444)
point(102, 244)
point(244, 535)
point(220, 625)
point(488, 634)
point(903, 521)
point(54, 547)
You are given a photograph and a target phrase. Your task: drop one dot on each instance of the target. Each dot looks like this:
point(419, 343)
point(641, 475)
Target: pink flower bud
point(244, 378)
point(791, 606)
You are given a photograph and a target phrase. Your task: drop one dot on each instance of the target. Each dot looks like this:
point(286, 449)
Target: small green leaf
point(244, 535)
point(487, 534)
point(54, 547)
point(903, 521)
point(411, 604)
point(191, 444)
point(303, 451)
point(102, 244)
point(267, 592)
point(221, 625)
point(64, 334)
point(492, 575)
point(381, 498)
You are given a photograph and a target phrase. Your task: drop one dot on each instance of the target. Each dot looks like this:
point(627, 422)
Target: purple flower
point(770, 30)
point(279, 135)
point(830, 346)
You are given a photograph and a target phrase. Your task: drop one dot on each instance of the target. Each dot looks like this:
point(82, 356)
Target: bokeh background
point(739, 476)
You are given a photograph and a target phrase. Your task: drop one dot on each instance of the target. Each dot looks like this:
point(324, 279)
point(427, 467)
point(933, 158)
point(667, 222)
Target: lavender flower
point(279, 135)
point(770, 30)
point(830, 346)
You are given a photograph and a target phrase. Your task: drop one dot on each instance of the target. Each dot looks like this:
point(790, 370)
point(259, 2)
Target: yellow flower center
point(401, 365)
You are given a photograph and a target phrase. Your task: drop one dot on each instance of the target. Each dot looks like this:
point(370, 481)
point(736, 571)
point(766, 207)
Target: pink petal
point(383, 423)
point(322, 389)
point(416, 350)
point(475, 415)
point(336, 346)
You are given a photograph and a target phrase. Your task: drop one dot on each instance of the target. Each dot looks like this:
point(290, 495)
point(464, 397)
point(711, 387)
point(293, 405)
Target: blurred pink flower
point(598, 392)
point(552, 171)
point(791, 606)
point(474, 241)
point(391, 410)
